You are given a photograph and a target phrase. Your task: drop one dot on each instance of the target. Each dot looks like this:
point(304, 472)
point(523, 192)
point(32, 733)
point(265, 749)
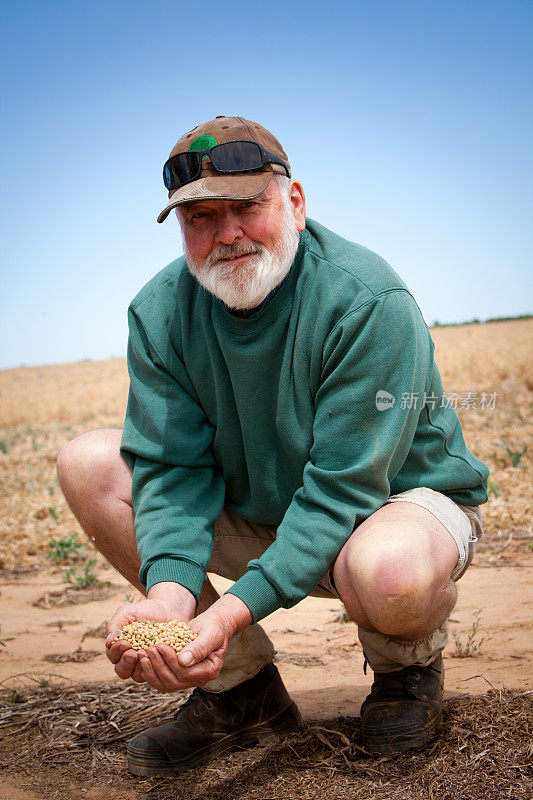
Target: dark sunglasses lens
point(181, 169)
point(237, 156)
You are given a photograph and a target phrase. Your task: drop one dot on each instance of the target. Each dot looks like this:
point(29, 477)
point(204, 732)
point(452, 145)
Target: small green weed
point(83, 577)
point(51, 490)
point(52, 510)
point(343, 616)
point(493, 488)
point(66, 548)
point(3, 640)
point(4, 447)
point(474, 641)
point(510, 454)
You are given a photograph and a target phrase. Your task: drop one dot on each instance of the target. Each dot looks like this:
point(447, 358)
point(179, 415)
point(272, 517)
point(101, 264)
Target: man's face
point(241, 249)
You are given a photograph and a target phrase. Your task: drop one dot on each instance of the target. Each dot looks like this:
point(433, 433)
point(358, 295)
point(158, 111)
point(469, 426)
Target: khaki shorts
point(237, 541)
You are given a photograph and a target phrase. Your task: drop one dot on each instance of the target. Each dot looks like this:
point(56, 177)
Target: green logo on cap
point(203, 143)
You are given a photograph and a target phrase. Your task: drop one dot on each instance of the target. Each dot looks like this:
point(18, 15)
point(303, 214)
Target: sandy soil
point(319, 655)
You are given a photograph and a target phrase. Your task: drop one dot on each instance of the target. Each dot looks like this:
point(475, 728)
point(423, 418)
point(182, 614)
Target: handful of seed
point(148, 634)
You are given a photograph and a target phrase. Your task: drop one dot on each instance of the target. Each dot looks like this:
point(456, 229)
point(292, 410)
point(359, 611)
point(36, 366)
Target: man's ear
point(297, 198)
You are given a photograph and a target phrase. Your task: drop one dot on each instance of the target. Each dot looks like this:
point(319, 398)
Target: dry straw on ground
point(78, 736)
point(72, 597)
point(75, 656)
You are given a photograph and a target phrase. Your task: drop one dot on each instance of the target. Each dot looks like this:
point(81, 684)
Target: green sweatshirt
point(278, 417)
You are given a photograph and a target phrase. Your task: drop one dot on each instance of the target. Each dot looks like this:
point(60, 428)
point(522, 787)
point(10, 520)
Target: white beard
point(246, 284)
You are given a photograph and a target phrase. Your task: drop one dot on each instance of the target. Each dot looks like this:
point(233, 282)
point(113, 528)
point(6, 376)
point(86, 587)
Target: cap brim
point(219, 187)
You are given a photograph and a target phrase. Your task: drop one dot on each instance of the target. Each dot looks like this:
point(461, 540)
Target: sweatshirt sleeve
point(177, 491)
point(357, 449)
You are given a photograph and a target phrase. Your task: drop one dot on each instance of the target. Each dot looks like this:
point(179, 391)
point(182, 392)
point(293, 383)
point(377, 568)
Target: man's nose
point(228, 229)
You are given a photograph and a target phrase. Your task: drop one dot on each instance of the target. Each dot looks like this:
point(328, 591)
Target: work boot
point(403, 709)
point(211, 724)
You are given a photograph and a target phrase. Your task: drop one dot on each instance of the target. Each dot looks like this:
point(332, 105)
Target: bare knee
point(395, 580)
point(413, 598)
point(397, 574)
point(92, 463)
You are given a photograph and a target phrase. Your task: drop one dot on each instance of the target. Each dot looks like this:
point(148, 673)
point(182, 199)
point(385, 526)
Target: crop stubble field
point(488, 366)
point(41, 408)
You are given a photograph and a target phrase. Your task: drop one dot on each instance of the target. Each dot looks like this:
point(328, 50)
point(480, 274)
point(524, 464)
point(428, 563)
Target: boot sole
point(140, 763)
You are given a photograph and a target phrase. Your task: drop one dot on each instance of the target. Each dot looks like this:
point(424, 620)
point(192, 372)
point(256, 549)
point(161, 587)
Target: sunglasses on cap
point(239, 156)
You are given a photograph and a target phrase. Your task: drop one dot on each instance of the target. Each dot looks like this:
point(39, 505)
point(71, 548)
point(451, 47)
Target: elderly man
point(286, 428)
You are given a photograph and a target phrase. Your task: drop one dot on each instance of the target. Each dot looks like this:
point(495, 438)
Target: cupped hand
point(170, 601)
point(199, 662)
point(202, 659)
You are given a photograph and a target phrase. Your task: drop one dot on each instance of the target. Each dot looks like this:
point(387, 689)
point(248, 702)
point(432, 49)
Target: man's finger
point(136, 675)
point(117, 650)
point(126, 665)
point(120, 617)
point(182, 674)
point(198, 674)
point(199, 649)
point(150, 676)
point(162, 670)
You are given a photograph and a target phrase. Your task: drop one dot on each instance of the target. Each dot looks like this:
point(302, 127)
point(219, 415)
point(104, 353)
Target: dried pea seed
point(141, 635)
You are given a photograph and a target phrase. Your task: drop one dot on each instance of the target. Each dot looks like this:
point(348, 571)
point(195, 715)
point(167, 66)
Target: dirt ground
point(51, 632)
point(318, 654)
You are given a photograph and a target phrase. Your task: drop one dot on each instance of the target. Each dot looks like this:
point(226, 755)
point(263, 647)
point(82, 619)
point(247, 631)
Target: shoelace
point(197, 702)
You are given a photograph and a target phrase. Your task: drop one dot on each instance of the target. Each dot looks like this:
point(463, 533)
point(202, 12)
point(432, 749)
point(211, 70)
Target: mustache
point(225, 251)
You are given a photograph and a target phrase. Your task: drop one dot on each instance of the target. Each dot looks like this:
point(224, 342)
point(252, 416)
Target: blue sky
point(409, 124)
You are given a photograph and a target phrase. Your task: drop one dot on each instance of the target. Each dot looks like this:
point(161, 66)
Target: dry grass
point(82, 391)
point(496, 357)
point(41, 408)
point(77, 737)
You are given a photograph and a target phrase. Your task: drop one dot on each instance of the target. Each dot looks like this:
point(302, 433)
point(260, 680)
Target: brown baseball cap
point(213, 185)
